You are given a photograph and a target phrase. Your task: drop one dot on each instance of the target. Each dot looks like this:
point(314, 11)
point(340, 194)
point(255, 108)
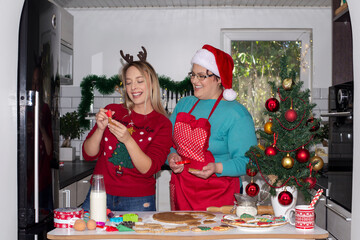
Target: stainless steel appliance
point(339, 171)
point(38, 125)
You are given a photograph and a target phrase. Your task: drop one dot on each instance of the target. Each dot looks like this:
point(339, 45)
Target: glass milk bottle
point(98, 199)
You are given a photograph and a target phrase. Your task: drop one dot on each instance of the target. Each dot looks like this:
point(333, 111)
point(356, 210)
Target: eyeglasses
point(200, 77)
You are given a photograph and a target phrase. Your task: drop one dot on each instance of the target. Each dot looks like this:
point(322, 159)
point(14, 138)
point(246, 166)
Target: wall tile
point(66, 91)
point(316, 93)
point(325, 93)
point(65, 102)
point(75, 102)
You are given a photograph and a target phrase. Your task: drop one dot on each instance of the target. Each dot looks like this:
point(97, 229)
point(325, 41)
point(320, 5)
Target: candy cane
point(316, 197)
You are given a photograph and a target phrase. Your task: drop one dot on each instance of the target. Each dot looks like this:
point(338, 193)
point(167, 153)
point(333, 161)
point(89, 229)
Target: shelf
point(341, 11)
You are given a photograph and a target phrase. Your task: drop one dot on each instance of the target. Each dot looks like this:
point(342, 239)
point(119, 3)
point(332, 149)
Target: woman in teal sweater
point(211, 134)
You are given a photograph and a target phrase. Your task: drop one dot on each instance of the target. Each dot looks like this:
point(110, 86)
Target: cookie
point(193, 170)
point(183, 228)
point(182, 217)
point(142, 230)
point(209, 221)
point(220, 228)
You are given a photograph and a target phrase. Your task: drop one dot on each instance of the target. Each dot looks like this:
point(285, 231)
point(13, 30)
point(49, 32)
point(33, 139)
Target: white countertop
point(283, 232)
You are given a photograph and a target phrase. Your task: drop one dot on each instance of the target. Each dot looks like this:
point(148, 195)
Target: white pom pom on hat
point(221, 64)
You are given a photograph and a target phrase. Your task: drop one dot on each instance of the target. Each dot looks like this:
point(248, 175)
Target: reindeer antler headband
point(129, 58)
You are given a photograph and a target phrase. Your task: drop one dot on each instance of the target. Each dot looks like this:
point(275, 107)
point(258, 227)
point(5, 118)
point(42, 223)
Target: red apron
point(188, 192)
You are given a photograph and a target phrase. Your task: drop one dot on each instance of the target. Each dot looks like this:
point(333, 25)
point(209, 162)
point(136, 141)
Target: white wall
point(9, 25)
point(172, 36)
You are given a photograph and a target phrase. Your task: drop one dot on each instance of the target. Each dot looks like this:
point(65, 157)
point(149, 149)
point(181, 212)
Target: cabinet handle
point(67, 197)
point(85, 181)
point(330, 207)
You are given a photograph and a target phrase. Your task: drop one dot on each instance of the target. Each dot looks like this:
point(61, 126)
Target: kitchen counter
point(74, 171)
point(283, 232)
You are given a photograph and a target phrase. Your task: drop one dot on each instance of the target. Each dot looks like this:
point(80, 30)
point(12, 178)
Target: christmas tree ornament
point(302, 155)
point(287, 162)
point(252, 189)
point(291, 114)
point(251, 172)
point(261, 147)
point(272, 105)
point(311, 181)
point(316, 162)
point(314, 127)
point(285, 198)
point(270, 151)
point(287, 84)
point(268, 126)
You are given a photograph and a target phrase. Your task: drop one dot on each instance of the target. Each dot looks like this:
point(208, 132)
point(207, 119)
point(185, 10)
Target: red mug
point(304, 217)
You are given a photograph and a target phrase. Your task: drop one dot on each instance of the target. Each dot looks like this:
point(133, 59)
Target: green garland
point(107, 86)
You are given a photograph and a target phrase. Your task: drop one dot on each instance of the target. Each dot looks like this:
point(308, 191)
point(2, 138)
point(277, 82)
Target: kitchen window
point(257, 53)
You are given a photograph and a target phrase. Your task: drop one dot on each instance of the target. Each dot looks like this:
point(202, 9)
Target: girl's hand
point(172, 159)
point(206, 172)
point(119, 130)
point(102, 119)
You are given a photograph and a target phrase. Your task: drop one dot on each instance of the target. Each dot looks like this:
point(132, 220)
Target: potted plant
point(69, 129)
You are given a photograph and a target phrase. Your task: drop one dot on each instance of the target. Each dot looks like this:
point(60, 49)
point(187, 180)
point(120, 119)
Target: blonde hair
point(149, 74)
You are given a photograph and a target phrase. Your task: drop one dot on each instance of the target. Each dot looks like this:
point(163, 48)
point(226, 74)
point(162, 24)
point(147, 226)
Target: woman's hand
point(102, 119)
point(206, 172)
point(120, 131)
point(172, 159)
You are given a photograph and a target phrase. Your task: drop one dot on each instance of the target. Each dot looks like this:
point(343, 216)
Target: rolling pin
point(261, 210)
point(226, 209)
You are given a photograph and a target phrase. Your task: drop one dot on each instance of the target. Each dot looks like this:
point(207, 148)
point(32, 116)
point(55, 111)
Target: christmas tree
point(121, 157)
point(282, 157)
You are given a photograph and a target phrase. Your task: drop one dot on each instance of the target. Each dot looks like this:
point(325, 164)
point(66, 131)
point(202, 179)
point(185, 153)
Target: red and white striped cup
point(304, 217)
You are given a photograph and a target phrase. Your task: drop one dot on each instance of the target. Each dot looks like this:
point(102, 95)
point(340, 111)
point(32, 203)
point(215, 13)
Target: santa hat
point(221, 64)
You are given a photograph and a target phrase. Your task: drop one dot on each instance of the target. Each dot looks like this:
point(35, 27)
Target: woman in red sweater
point(132, 144)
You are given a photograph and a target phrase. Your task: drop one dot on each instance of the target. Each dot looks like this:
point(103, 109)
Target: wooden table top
point(283, 232)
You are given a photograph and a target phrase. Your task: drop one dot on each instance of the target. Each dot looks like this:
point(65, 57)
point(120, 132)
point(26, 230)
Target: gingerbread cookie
point(182, 217)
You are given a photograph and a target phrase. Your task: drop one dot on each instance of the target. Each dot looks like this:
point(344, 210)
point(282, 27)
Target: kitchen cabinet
point(338, 221)
point(163, 190)
point(342, 47)
point(74, 194)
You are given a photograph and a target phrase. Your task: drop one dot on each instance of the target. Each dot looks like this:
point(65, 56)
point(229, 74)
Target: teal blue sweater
point(232, 131)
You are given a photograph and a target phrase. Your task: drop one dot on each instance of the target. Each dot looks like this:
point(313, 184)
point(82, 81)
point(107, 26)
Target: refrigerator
point(38, 117)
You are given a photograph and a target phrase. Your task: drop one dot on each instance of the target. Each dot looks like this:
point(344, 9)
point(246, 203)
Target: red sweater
point(153, 134)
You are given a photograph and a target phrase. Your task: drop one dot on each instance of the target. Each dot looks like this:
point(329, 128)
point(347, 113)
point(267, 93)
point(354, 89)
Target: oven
point(339, 170)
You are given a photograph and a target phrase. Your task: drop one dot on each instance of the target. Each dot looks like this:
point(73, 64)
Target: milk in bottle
point(98, 199)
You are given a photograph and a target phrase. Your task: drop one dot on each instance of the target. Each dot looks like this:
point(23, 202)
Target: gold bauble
point(261, 147)
point(317, 162)
point(267, 127)
point(287, 162)
point(287, 83)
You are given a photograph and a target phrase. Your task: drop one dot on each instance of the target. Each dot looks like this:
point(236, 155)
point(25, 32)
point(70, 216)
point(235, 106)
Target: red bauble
point(252, 189)
point(314, 127)
point(270, 151)
point(310, 180)
point(302, 155)
point(290, 115)
point(272, 105)
point(285, 198)
point(251, 172)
